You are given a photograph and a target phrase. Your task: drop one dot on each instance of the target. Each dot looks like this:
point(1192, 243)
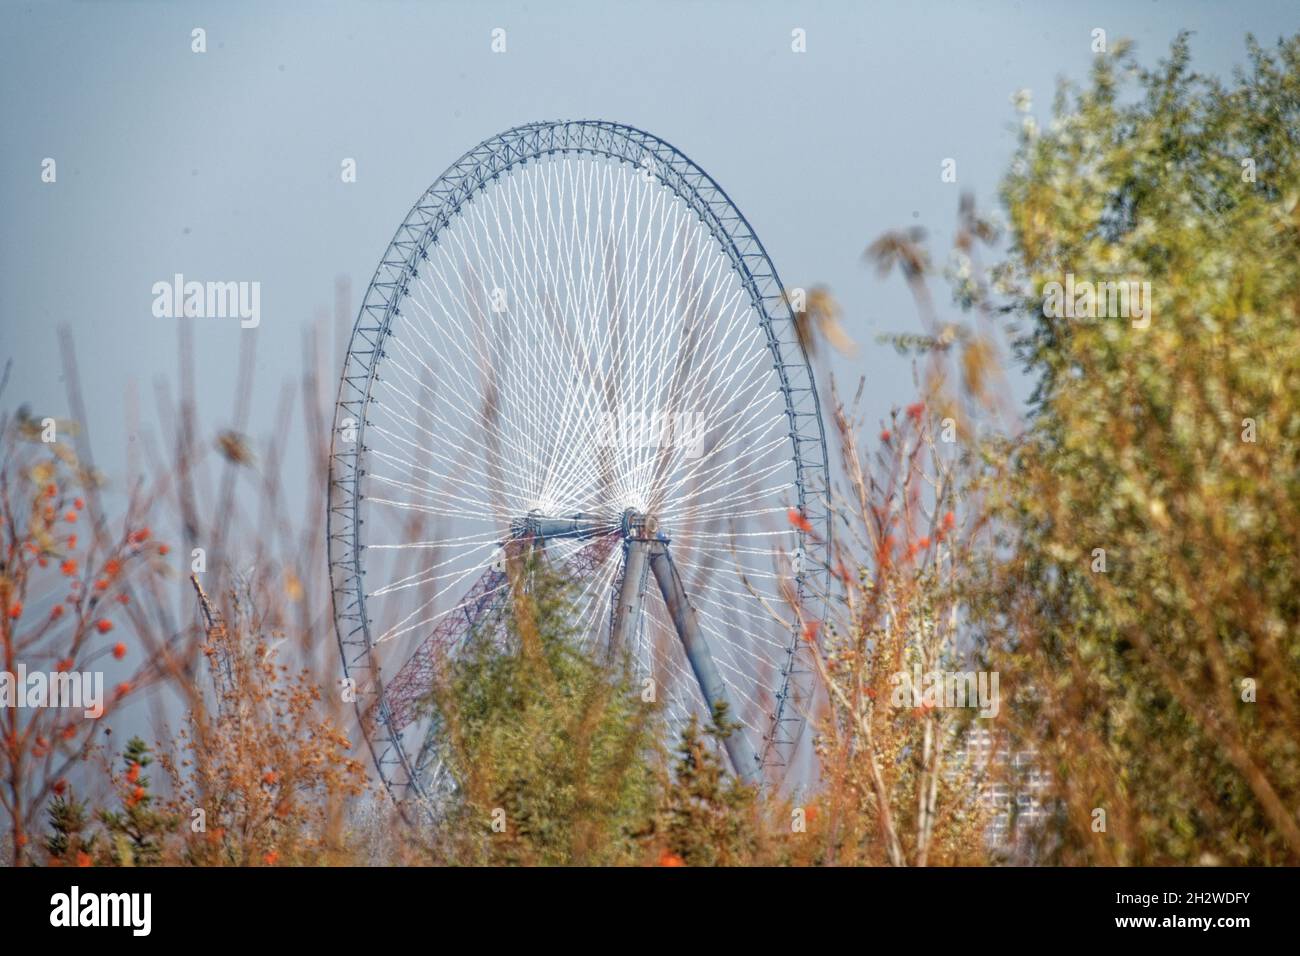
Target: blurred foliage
point(135, 833)
point(896, 781)
point(709, 816)
point(269, 765)
point(546, 740)
point(70, 841)
point(1139, 444)
point(76, 588)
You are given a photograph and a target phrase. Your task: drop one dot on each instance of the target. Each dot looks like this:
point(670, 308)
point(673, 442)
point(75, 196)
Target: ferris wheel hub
point(639, 526)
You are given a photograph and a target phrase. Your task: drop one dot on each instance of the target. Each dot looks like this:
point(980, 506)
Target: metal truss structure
point(399, 332)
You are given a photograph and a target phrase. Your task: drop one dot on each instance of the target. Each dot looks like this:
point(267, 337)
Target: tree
point(1145, 592)
point(708, 815)
point(135, 833)
point(550, 747)
point(76, 595)
point(267, 770)
point(894, 787)
point(69, 843)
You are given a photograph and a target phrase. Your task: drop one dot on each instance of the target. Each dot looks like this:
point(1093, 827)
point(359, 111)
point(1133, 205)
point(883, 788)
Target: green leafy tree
point(1149, 610)
point(709, 817)
point(551, 749)
point(68, 842)
point(136, 833)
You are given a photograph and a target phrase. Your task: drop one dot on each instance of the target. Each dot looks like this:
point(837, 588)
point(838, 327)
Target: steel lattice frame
point(435, 210)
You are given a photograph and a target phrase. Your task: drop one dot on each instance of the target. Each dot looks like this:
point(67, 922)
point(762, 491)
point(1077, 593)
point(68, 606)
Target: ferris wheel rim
point(437, 207)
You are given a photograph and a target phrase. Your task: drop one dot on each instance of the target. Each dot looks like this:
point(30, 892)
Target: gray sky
point(226, 165)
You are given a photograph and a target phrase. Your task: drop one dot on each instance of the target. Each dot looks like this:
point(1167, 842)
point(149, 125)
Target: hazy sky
point(225, 165)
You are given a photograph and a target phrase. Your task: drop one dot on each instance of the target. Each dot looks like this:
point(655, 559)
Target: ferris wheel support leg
point(628, 611)
point(742, 755)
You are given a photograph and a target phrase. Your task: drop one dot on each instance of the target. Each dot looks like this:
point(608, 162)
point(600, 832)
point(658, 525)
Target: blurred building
point(1013, 787)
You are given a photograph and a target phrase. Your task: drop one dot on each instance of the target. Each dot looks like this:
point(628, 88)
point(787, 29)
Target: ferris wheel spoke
point(462, 434)
point(457, 493)
point(414, 679)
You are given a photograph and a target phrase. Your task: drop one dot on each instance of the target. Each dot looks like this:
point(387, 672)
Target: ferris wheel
point(575, 344)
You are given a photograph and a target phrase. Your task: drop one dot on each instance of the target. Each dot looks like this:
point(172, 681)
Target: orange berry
point(103, 625)
point(798, 520)
point(119, 650)
point(16, 610)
